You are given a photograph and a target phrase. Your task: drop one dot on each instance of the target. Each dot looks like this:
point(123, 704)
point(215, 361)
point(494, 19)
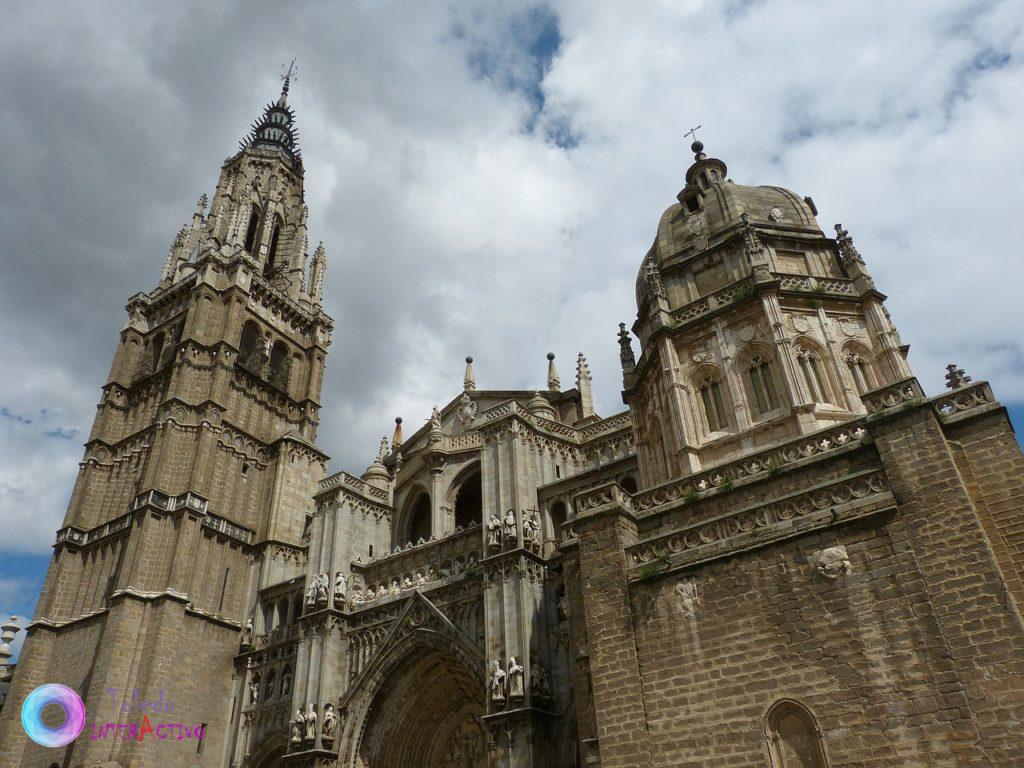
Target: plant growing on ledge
point(691, 495)
point(654, 569)
point(742, 292)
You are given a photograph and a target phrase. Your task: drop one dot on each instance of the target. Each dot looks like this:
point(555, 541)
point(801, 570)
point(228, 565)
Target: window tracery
point(811, 369)
point(762, 384)
point(858, 371)
point(714, 405)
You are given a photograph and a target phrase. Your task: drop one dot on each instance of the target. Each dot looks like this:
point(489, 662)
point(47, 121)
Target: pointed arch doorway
point(420, 701)
point(427, 714)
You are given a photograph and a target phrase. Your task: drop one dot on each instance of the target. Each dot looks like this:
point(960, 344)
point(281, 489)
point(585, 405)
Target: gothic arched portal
point(420, 701)
point(427, 713)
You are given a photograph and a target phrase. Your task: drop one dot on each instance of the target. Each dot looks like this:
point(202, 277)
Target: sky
point(486, 178)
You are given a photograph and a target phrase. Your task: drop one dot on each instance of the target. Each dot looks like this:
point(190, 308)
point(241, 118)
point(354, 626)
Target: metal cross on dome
point(692, 132)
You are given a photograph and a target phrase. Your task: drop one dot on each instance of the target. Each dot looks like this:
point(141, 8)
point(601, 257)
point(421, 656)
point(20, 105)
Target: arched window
point(270, 267)
point(762, 384)
point(253, 232)
point(279, 365)
point(282, 611)
point(469, 502)
point(858, 371)
point(793, 737)
point(158, 349)
point(714, 405)
point(629, 484)
point(809, 365)
point(419, 520)
point(250, 340)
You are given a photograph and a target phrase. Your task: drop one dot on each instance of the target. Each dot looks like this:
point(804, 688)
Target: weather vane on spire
point(293, 72)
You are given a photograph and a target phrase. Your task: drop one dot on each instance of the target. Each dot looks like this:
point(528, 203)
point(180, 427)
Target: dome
point(705, 217)
point(539, 406)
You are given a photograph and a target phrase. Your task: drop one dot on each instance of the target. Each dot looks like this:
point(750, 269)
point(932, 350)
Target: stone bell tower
point(755, 326)
point(197, 479)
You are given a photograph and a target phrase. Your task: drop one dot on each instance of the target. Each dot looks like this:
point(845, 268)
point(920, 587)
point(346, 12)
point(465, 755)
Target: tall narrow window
point(858, 371)
point(223, 590)
point(158, 350)
point(271, 266)
point(812, 375)
point(761, 382)
point(793, 737)
point(714, 406)
point(252, 233)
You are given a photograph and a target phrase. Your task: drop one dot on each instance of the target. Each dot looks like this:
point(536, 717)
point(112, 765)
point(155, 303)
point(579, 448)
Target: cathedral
point(782, 553)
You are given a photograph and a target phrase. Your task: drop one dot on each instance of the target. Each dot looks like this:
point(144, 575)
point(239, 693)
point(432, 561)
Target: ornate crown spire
point(275, 129)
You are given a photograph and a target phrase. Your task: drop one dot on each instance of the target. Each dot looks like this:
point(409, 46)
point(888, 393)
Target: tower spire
point(275, 128)
point(287, 77)
point(583, 384)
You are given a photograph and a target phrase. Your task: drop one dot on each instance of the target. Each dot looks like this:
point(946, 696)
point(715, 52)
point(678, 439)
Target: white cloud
point(453, 225)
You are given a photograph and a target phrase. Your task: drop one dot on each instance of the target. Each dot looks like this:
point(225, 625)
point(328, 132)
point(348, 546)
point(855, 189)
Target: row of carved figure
point(420, 542)
point(504, 684)
point(502, 532)
point(303, 728)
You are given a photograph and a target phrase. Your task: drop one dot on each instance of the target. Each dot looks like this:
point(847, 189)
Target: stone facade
point(782, 553)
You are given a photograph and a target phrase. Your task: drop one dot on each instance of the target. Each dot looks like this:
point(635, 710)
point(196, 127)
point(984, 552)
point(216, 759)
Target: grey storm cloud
point(486, 178)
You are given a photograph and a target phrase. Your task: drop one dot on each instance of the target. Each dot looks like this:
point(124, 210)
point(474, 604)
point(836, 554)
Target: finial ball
point(551, 355)
point(469, 359)
point(697, 147)
point(398, 419)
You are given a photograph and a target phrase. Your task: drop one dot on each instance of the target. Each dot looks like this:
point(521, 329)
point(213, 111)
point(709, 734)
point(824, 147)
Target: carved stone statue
point(382, 591)
point(540, 683)
point(298, 725)
point(510, 528)
point(396, 587)
point(245, 641)
point(563, 608)
point(286, 683)
point(327, 728)
point(531, 532)
point(420, 579)
point(435, 418)
point(496, 681)
point(323, 582)
point(254, 690)
point(310, 723)
point(515, 678)
point(493, 532)
point(340, 588)
point(311, 594)
point(407, 583)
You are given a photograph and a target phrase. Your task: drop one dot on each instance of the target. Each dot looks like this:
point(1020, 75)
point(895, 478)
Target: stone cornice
point(825, 505)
